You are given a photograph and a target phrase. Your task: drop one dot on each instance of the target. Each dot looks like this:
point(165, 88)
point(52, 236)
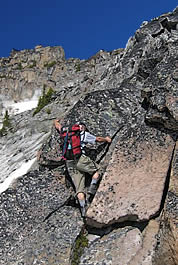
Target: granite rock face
point(129, 94)
point(28, 233)
point(117, 248)
point(126, 246)
point(167, 250)
point(24, 74)
point(133, 184)
point(168, 235)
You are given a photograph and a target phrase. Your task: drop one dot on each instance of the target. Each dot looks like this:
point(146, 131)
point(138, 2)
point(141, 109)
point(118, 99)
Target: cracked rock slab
point(117, 248)
point(167, 250)
point(133, 184)
point(173, 186)
point(145, 254)
point(124, 246)
point(167, 247)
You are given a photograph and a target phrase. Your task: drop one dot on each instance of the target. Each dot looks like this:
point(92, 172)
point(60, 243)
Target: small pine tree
point(44, 99)
point(6, 124)
point(6, 121)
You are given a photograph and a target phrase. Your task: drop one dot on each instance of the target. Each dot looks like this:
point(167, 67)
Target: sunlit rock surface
point(133, 184)
point(167, 252)
point(129, 94)
point(126, 246)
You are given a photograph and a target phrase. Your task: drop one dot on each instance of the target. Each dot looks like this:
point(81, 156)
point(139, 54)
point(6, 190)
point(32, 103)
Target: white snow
point(23, 106)
point(22, 170)
point(13, 109)
point(16, 108)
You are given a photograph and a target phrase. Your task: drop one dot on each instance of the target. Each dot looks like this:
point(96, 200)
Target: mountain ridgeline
point(129, 94)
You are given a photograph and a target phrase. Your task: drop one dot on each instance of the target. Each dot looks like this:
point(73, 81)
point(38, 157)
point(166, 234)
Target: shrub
point(19, 67)
point(80, 244)
point(44, 99)
point(48, 111)
point(51, 64)
point(77, 67)
point(6, 124)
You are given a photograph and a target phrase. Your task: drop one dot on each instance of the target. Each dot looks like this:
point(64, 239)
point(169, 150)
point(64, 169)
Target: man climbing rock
point(82, 164)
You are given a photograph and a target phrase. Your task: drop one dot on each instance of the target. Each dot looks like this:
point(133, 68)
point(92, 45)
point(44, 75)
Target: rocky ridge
point(129, 94)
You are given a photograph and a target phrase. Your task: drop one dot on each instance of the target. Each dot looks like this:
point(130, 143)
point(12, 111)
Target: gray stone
point(145, 255)
point(117, 248)
point(32, 230)
point(175, 75)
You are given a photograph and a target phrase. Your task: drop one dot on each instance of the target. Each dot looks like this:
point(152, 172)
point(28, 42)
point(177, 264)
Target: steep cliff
point(129, 94)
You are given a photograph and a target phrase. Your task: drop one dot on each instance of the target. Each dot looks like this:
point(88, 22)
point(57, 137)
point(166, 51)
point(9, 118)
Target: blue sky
point(81, 27)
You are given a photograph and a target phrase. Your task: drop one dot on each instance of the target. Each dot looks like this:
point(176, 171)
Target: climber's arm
point(103, 139)
point(57, 125)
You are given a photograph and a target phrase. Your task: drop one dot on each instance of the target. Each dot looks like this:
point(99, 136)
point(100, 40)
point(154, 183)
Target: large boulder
point(133, 184)
point(128, 246)
point(117, 248)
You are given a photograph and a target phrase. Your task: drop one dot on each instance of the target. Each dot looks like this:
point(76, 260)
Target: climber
point(83, 164)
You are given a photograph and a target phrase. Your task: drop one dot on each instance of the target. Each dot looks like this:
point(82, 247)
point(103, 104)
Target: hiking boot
point(92, 189)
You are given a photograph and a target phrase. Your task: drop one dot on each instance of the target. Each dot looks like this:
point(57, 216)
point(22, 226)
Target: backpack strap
point(65, 146)
point(82, 140)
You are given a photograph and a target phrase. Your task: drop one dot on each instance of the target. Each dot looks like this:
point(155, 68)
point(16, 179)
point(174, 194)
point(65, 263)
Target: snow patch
point(22, 170)
point(23, 106)
point(16, 108)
